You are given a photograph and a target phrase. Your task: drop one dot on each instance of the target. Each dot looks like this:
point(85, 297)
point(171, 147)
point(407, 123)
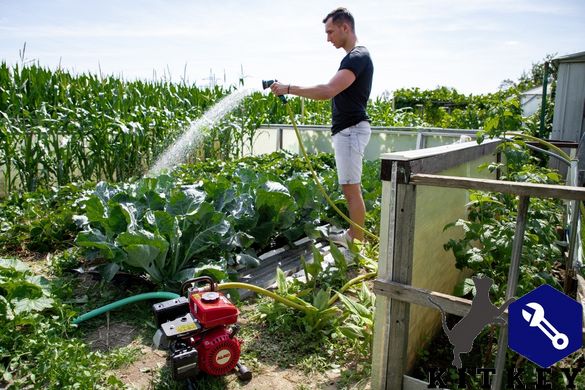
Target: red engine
point(200, 332)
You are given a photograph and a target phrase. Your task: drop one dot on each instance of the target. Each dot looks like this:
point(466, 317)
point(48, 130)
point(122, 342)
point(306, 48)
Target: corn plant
point(56, 128)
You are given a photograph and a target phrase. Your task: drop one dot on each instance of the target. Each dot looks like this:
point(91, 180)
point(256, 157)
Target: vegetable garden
point(80, 225)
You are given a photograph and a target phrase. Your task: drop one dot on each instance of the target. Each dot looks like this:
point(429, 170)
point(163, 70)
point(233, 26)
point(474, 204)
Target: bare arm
point(342, 79)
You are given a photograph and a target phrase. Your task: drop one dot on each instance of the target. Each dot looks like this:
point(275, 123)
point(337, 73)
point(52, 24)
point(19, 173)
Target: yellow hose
point(559, 151)
point(307, 309)
point(315, 177)
point(351, 283)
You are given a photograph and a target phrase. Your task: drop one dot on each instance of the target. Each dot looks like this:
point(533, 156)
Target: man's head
point(339, 26)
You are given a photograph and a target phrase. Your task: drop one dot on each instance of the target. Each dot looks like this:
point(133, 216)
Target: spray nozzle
point(268, 83)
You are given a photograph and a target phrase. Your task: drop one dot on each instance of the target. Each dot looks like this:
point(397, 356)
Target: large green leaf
point(185, 201)
point(12, 265)
point(95, 239)
point(274, 203)
point(147, 251)
point(27, 305)
point(222, 193)
point(94, 209)
point(243, 212)
point(206, 232)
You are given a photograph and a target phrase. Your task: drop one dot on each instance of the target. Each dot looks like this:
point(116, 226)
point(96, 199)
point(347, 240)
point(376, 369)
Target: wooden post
point(395, 264)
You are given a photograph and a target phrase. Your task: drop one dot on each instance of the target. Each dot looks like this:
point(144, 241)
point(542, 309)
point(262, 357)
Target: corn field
point(56, 128)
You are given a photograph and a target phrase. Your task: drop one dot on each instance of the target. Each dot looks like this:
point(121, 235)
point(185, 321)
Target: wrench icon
point(536, 319)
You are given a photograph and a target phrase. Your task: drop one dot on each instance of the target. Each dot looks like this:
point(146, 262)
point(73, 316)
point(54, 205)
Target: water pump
point(199, 330)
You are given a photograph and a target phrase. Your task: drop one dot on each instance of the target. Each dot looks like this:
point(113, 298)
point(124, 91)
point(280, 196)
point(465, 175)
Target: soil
point(145, 371)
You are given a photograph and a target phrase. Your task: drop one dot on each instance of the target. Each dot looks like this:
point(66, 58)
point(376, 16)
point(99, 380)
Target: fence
point(404, 175)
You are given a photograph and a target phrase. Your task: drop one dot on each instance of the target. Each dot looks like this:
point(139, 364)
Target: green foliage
point(56, 128)
point(41, 220)
point(349, 320)
point(358, 326)
point(37, 349)
point(486, 246)
point(535, 76)
point(213, 213)
point(154, 227)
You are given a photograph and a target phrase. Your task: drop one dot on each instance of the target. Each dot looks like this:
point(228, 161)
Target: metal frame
point(422, 133)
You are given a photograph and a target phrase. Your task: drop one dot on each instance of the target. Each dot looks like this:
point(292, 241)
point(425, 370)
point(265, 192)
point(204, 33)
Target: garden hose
point(319, 185)
point(223, 286)
point(125, 301)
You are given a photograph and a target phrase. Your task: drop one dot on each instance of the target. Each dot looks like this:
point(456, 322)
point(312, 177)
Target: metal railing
point(422, 133)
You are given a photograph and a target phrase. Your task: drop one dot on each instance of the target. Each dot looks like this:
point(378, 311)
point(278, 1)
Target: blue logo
point(545, 326)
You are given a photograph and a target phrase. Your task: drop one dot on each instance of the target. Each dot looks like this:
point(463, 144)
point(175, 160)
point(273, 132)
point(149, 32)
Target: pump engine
point(199, 330)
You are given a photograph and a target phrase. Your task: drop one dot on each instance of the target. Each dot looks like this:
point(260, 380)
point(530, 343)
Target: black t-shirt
point(349, 106)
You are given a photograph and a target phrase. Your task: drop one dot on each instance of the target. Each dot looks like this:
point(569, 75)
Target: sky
point(469, 45)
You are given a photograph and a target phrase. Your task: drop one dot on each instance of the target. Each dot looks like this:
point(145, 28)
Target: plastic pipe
point(125, 301)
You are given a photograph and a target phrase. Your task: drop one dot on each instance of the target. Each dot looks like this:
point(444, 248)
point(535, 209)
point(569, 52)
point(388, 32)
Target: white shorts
point(349, 145)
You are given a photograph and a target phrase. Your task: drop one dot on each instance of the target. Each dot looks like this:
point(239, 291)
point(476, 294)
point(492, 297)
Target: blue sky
point(470, 45)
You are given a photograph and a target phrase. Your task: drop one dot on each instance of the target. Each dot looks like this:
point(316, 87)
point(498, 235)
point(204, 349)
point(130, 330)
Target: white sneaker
point(342, 239)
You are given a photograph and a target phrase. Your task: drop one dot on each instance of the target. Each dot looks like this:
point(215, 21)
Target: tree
point(534, 77)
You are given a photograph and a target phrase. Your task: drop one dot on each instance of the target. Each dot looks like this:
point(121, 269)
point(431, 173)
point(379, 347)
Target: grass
point(33, 362)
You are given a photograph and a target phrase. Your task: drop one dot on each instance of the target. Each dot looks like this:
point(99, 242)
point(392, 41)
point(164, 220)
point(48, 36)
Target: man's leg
point(357, 208)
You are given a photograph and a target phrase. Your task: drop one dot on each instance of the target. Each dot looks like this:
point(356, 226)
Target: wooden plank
point(436, 159)
point(389, 355)
point(420, 296)
point(402, 273)
point(508, 187)
point(382, 324)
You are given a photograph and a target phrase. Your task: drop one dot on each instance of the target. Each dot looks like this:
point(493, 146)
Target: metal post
point(573, 245)
point(279, 132)
point(543, 103)
point(513, 274)
point(420, 141)
point(573, 219)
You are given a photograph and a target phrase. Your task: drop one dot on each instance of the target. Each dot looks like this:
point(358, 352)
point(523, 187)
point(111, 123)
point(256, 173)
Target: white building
point(530, 100)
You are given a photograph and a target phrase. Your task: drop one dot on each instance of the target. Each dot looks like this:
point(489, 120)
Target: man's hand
point(340, 81)
point(279, 88)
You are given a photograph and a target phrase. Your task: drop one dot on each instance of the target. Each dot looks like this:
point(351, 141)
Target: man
point(350, 90)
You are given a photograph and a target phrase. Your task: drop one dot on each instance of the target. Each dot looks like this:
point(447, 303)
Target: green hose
point(125, 301)
point(308, 308)
point(315, 177)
